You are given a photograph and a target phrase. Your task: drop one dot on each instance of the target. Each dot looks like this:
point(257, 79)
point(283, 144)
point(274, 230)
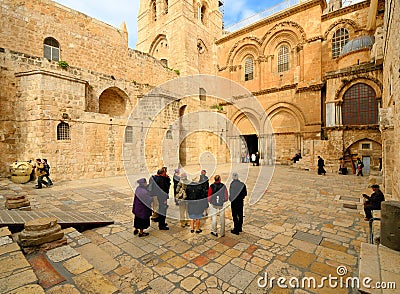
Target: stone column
point(390, 224)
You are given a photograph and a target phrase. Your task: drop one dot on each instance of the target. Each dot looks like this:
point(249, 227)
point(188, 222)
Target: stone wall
point(390, 124)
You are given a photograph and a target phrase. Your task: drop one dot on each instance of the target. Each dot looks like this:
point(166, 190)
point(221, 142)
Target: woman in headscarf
point(142, 208)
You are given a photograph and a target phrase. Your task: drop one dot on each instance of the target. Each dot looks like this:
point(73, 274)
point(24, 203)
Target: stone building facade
point(312, 86)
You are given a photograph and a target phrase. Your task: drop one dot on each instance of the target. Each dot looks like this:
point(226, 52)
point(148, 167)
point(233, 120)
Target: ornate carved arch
point(346, 23)
point(288, 107)
point(289, 26)
point(238, 47)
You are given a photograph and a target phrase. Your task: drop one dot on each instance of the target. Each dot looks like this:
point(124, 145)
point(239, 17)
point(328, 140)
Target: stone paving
point(298, 229)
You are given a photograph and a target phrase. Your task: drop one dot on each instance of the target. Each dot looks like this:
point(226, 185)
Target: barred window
point(168, 134)
point(248, 69)
point(283, 58)
point(129, 134)
point(339, 39)
point(51, 49)
point(360, 106)
point(63, 131)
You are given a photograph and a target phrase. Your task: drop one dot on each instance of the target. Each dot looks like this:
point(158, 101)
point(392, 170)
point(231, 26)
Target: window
point(153, 8)
point(166, 6)
point(203, 14)
point(283, 58)
point(366, 146)
point(339, 39)
point(202, 94)
point(360, 106)
point(168, 135)
point(129, 134)
point(51, 49)
point(164, 62)
point(248, 69)
point(63, 131)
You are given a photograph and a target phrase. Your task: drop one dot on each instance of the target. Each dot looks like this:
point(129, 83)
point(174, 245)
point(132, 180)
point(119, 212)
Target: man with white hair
point(237, 193)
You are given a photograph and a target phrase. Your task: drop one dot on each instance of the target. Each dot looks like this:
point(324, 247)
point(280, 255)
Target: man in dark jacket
point(373, 202)
point(205, 184)
point(237, 193)
point(159, 186)
point(217, 196)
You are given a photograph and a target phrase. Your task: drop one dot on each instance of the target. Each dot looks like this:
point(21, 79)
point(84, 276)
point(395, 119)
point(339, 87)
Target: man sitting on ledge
point(373, 202)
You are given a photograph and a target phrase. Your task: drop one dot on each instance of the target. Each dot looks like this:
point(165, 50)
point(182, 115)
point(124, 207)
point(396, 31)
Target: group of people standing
point(194, 197)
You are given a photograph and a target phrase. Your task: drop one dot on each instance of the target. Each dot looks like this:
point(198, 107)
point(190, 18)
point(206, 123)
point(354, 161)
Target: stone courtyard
point(299, 228)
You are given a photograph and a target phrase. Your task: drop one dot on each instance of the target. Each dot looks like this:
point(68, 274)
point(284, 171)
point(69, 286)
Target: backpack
point(218, 194)
point(191, 191)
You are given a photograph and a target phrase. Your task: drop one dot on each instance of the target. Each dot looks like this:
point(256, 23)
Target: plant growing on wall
point(63, 64)
point(177, 71)
point(217, 107)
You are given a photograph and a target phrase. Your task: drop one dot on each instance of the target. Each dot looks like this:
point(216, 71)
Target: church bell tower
point(181, 33)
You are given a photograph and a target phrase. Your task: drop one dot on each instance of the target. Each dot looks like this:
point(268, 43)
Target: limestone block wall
point(391, 100)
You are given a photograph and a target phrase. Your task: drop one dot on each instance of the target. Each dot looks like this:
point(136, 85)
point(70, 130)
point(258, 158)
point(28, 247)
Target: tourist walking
point(47, 170)
point(40, 173)
point(181, 197)
point(141, 208)
point(217, 196)
point(237, 193)
point(373, 202)
point(321, 164)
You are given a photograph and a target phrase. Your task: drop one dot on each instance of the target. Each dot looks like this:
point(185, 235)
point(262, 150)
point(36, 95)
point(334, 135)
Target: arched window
point(202, 94)
point(339, 39)
point(360, 106)
point(129, 134)
point(51, 49)
point(248, 68)
point(283, 58)
point(153, 10)
point(203, 14)
point(63, 131)
point(168, 135)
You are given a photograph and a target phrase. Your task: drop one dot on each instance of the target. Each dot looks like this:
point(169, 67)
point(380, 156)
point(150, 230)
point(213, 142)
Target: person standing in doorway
point(237, 193)
point(360, 166)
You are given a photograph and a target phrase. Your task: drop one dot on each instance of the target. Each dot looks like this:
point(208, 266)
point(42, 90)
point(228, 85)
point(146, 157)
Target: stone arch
point(113, 101)
point(247, 42)
point(159, 47)
point(348, 24)
point(290, 111)
point(370, 81)
point(246, 121)
point(289, 30)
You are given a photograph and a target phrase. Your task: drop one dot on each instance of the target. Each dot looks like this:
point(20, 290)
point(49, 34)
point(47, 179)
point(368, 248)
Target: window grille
point(63, 131)
point(248, 69)
point(360, 106)
point(51, 49)
point(283, 59)
point(339, 39)
point(129, 134)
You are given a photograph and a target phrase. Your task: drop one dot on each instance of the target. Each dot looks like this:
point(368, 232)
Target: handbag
point(181, 195)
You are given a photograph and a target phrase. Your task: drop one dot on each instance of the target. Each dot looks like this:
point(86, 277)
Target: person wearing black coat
point(237, 193)
point(373, 202)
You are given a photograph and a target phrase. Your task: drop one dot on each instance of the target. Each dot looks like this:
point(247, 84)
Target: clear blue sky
point(114, 12)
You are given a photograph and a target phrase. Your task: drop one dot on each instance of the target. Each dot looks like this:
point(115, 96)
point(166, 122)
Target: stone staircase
point(78, 267)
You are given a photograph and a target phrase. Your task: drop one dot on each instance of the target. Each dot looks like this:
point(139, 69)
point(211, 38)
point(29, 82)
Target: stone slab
point(369, 266)
point(100, 259)
point(17, 280)
point(307, 237)
point(28, 289)
point(46, 273)
point(94, 282)
point(61, 253)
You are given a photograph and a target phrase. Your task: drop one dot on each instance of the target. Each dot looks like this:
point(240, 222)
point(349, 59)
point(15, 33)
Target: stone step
point(369, 267)
point(15, 220)
point(59, 270)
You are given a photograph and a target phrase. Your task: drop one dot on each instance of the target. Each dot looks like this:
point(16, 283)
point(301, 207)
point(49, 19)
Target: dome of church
point(357, 44)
